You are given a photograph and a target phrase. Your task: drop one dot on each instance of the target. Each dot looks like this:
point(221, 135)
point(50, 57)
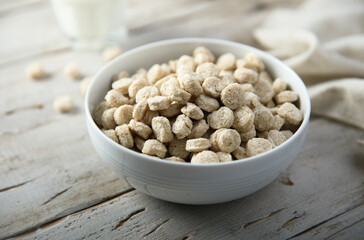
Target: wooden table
point(53, 185)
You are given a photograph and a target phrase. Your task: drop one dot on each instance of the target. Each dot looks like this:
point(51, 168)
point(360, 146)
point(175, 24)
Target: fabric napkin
point(323, 41)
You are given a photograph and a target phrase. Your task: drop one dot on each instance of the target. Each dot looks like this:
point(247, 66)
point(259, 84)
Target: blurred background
point(30, 27)
point(320, 39)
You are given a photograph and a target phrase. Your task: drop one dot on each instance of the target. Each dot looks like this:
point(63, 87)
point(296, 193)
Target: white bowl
point(184, 182)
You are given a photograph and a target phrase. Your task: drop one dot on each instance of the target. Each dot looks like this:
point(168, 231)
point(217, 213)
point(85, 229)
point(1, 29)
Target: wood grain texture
point(48, 167)
point(53, 184)
point(323, 198)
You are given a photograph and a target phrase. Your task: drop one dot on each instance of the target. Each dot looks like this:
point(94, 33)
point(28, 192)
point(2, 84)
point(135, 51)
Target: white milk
point(91, 24)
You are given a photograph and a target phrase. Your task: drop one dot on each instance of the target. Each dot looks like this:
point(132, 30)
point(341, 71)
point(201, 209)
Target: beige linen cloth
point(323, 41)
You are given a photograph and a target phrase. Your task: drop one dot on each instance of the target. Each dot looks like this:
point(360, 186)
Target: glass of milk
point(91, 24)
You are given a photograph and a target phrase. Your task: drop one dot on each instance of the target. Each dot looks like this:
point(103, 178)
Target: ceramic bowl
point(184, 182)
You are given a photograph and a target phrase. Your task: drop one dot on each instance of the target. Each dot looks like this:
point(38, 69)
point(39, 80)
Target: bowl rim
point(299, 131)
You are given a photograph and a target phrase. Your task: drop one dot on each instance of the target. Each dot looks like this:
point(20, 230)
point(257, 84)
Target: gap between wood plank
point(124, 220)
point(17, 185)
point(345, 228)
point(62, 216)
point(55, 196)
point(325, 221)
point(35, 126)
point(156, 228)
point(34, 55)
point(262, 218)
point(19, 109)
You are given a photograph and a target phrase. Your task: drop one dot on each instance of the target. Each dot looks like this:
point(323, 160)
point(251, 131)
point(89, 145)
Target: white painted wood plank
point(323, 184)
point(52, 171)
point(48, 167)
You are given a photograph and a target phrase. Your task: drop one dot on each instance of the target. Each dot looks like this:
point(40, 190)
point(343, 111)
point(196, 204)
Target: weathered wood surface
point(53, 184)
point(320, 195)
